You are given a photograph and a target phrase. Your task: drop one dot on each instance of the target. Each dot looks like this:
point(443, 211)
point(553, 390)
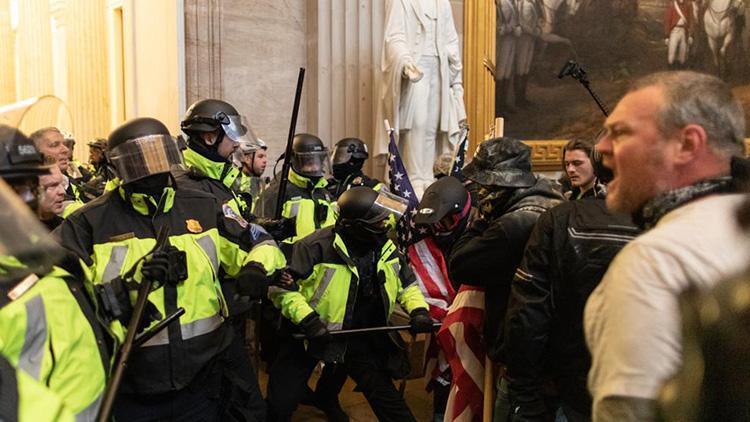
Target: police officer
point(349, 155)
point(178, 373)
point(348, 276)
point(22, 397)
point(252, 159)
point(307, 202)
point(48, 328)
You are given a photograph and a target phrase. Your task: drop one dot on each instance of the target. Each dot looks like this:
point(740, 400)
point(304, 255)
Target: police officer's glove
point(156, 267)
point(420, 321)
point(314, 329)
point(280, 229)
point(252, 282)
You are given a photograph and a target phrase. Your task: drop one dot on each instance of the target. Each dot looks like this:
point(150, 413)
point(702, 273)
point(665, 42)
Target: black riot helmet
point(25, 247)
point(212, 115)
point(348, 150)
point(21, 164)
point(348, 156)
point(19, 157)
point(444, 204)
point(309, 155)
point(142, 147)
point(366, 210)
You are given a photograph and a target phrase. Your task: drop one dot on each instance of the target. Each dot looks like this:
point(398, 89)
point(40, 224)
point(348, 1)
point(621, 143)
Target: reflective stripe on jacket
point(46, 334)
point(309, 204)
point(114, 231)
point(328, 281)
point(216, 179)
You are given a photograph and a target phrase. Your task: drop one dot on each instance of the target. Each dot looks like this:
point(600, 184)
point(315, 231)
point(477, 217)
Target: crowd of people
point(617, 295)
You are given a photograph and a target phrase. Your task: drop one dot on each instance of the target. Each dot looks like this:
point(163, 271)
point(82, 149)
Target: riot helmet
point(216, 115)
point(309, 156)
point(348, 156)
point(444, 205)
point(99, 143)
point(142, 147)
point(25, 245)
point(366, 210)
point(350, 149)
point(21, 164)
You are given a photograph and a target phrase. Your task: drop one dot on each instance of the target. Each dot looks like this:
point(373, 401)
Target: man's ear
point(209, 138)
point(691, 143)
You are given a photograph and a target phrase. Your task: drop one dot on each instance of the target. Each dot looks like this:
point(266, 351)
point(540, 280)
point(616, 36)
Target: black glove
point(280, 229)
point(420, 321)
point(252, 282)
point(156, 267)
point(314, 328)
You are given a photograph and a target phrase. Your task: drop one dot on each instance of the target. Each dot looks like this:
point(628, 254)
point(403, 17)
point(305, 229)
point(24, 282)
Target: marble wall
point(248, 52)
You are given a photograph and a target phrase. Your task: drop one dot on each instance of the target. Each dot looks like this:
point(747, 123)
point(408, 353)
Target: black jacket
point(567, 255)
point(488, 252)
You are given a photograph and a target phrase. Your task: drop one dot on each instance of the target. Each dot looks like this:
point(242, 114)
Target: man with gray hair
point(674, 143)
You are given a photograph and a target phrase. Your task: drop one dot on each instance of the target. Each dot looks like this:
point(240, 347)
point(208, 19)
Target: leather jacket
point(566, 257)
point(489, 251)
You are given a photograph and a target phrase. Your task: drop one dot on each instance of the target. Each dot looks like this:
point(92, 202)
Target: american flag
point(460, 337)
point(401, 186)
point(460, 155)
point(425, 258)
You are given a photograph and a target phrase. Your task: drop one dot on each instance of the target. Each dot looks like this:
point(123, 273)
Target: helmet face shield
point(389, 204)
point(311, 164)
point(237, 128)
point(345, 152)
point(25, 245)
point(145, 156)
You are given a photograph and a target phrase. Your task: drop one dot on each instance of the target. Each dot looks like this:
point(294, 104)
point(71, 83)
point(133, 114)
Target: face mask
point(342, 171)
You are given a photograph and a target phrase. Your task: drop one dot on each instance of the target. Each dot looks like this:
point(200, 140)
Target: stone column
point(8, 60)
point(203, 38)
point(345, 38)
point(34, 77)
point(87, 71)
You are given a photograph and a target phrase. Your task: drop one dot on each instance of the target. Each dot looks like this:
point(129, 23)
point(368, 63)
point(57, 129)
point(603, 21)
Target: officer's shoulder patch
point(193, 226)
point(231, 214)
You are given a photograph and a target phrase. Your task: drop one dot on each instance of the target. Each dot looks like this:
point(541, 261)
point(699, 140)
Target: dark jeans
point(293, 366)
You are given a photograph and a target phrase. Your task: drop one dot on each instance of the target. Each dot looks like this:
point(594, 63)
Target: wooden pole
point(489, 390)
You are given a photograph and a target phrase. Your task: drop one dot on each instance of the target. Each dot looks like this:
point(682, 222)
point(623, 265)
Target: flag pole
point(489, 390)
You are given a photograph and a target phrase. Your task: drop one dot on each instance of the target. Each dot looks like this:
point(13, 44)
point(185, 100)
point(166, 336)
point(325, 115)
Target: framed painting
point(612, 43)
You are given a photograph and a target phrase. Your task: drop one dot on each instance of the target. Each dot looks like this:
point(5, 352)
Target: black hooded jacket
point(488, 252)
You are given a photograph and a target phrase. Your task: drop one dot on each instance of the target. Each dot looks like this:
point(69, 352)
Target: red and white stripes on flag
point(429, 266)
point(461, 339)
point(431, 270)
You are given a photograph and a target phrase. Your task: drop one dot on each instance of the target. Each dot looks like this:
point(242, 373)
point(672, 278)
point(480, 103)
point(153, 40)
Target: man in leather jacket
point(566, 257)
point(511, 198)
